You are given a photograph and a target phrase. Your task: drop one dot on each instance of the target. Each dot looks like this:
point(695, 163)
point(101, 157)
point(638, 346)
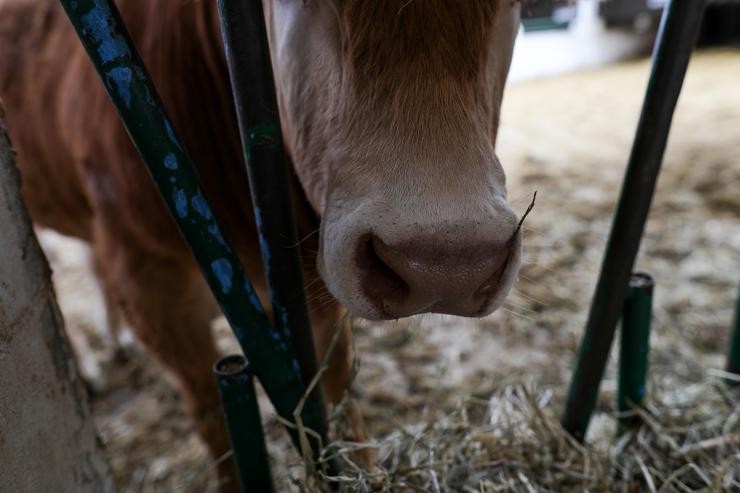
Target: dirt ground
point(568, 138)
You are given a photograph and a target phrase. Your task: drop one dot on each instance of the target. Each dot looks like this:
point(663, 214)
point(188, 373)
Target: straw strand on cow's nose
point(510, 242)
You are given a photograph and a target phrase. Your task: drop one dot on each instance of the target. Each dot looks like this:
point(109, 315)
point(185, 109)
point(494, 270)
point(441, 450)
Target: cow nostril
point(427, 273)
point(379, 281)
point(500, 263)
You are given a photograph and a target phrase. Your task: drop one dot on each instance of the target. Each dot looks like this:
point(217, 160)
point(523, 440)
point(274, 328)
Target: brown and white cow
point(390, 110)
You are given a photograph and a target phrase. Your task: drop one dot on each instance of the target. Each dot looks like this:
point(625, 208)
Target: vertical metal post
point(733, 356)
point(109, 46)
point(635, 345)
point(679, 29)
point(244, 422)
point(247, 52)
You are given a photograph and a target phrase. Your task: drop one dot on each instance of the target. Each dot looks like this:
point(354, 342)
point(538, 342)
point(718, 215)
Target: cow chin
point(382, 265)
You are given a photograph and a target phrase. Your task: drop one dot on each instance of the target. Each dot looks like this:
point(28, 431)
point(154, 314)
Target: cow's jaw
point(402, 170)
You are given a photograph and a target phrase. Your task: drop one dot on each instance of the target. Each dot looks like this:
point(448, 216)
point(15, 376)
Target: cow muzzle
point(465, 269)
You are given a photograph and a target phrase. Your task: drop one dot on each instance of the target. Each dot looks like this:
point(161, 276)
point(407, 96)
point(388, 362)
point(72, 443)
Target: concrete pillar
point(48, 442)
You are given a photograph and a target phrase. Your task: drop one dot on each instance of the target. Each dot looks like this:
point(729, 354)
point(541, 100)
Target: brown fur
point(82, 176)
point(435, 38)
point(432, 49)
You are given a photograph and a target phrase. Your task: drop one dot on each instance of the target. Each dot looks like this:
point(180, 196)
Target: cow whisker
point(306, 237)
point(530, 229)
point(510, 302)
point(519, 292)
point(312, 282)
point(320, 301)
point(563, 273)
point(530, 279)
point(521, 315)
point(554, 244)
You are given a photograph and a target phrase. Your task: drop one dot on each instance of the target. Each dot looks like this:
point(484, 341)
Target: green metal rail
point(247, 52)
point(109, 46)
point(243, 420)
point(679, 29)
point(635, 346)
point(246, 47)
point(733, 356)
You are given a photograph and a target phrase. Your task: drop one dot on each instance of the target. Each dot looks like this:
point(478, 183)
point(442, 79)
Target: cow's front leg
point(169, 307)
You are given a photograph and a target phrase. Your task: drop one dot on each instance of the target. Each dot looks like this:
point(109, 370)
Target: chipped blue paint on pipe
point(110, 46)
point(181, 202)
point(247, 53)
point(224, 273)
point(201, 206)
point(103, 34)
point(122, 77)
point(170, 161)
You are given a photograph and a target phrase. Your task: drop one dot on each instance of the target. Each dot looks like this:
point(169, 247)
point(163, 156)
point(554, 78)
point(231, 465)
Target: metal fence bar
point(247, 53)
point(733, 356)
point(102, 32)
point(243, 419)
point(679, 29)
point(634, 347)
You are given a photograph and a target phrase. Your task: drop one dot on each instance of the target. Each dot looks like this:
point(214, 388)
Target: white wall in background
point(586, 43)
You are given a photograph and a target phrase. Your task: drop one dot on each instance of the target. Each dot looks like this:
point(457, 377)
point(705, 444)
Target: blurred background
point(562, 35)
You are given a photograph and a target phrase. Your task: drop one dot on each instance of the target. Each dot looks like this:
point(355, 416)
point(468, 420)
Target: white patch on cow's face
point(411, 194)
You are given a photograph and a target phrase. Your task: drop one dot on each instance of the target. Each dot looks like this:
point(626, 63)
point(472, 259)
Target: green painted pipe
point(635, 345)
point(679, 29)
point(244, 422)
point(733, 356)
point(247, 52)
point(109, 46)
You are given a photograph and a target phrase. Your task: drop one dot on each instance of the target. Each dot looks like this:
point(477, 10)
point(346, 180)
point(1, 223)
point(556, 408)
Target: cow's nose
point(422, 275)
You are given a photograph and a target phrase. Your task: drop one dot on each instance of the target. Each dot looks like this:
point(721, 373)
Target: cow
point(389, 112)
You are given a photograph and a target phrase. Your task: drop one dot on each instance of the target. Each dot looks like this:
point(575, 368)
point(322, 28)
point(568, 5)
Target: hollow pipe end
point(641, 280)
point(231, 365)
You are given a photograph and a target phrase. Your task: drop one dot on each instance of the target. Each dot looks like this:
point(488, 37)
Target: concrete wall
point(47, 439)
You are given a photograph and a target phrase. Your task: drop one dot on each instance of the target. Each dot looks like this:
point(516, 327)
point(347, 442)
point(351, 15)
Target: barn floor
point(568, 138)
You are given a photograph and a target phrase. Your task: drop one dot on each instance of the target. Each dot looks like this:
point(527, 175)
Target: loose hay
point(689, 441)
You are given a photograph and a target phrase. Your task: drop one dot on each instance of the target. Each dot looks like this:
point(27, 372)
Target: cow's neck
point(180, 43)
point(182, 48)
